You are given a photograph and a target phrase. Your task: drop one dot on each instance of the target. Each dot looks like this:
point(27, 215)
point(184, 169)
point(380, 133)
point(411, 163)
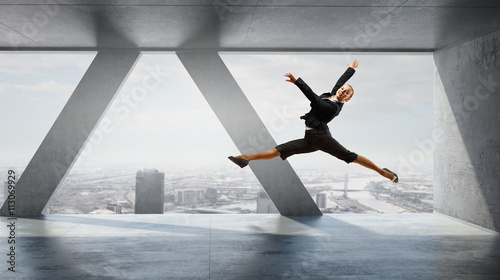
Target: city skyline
point(115, 191)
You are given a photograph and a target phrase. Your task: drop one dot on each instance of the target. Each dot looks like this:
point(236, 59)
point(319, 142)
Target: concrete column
point(248, 132)
point(467, 131)
point(69, 133)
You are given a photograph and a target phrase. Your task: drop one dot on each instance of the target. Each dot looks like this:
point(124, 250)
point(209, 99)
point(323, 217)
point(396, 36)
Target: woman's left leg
point(329, 145)
point(361, 160)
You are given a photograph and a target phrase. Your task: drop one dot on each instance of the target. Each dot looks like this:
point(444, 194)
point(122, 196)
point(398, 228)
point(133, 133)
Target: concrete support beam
point(248, 132)
point(69, 133)
point(467, 131)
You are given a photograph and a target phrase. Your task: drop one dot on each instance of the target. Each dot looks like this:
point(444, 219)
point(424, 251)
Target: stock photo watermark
point(482, 92)
point(225, 7)
point(122, 108)
point(364, 36)
point(484, 89)
point(31, 26)
point(11, 219)
point(263, 138)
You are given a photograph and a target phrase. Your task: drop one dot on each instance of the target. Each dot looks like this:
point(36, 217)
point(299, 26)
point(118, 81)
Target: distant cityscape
point(128, 191)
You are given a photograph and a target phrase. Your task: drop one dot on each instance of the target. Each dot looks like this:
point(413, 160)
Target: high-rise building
point(149, 192)
point(321, 200)
point(346, 182)
point(200, 195)
point(190, 197)
point(264, 204)
point(211, 195)
point(170, 198)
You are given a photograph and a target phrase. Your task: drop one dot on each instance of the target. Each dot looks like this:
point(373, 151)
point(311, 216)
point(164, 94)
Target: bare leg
point(269, 154)
point(361, 160)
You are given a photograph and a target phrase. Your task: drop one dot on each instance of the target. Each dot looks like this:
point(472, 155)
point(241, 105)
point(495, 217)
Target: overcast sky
point(390, 111)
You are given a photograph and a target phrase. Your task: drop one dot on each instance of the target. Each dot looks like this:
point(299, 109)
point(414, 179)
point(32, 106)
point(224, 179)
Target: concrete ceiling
point(237, 25)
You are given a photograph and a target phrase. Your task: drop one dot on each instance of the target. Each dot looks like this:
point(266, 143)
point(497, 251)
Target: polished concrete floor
point(349, 246)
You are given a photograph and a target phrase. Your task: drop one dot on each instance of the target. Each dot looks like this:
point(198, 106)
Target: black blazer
point(323, 110)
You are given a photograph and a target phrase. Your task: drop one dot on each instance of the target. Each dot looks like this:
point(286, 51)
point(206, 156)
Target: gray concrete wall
point(467, 131)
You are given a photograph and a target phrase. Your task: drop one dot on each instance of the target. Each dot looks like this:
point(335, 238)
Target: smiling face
point(344, 93)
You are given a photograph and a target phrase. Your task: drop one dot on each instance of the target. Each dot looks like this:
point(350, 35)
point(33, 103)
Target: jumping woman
point(324, 108)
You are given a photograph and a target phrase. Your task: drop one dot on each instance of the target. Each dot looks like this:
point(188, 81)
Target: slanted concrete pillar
point(65, 140)
point(248, 132)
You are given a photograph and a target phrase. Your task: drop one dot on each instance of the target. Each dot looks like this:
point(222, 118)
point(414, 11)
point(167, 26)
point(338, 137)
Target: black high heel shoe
point(396, 178)
point(241, 162)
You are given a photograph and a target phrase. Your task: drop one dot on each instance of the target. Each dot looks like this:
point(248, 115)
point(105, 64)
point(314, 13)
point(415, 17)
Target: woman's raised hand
point(354, 64)
point(291, 78)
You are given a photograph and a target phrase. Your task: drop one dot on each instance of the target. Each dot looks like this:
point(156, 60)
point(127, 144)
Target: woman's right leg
point(284, 150)
point(269, 154)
